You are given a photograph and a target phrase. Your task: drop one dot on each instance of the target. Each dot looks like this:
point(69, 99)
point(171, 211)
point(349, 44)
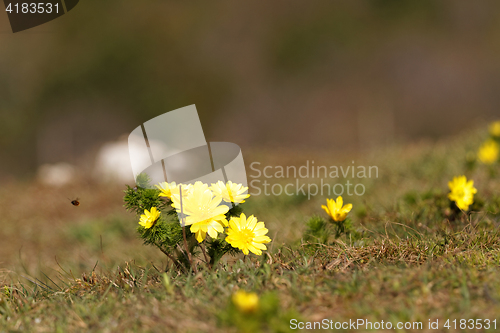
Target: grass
point(410, 258)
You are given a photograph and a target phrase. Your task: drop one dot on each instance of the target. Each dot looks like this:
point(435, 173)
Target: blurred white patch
point(112, 163)
point(58, 174)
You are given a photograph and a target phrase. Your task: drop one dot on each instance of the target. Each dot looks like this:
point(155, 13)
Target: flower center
point(247, 236)
point(461, 193)
point(231, 198)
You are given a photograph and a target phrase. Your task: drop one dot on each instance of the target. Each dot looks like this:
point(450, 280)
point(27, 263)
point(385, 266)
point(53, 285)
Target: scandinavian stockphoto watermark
point(367, 325)
point(310, 179)
point(357, 324)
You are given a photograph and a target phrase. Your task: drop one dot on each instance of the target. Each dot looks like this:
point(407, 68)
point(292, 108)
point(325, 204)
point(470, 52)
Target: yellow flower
point(166, 189)
point(336, 210)
point(495, 129)
point(149, 218)
point(210, 226)
point(462, 192)
point(247, 234)
point(230, 192)
point(488, 152)
point(245, 302)
point(203, 210)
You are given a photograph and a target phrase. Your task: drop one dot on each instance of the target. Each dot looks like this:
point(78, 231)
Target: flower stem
point(184, 233)
point(187, 249)
point(174, 261)
point(205, 254)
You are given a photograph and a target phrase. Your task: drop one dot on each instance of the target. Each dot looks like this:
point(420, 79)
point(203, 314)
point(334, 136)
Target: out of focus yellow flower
point(247, 234)
point(495, 129)
point(488, 152)
point(149, 218)
point(230, 192)
point(462, 192)
point(245, 302)
point(336, 209)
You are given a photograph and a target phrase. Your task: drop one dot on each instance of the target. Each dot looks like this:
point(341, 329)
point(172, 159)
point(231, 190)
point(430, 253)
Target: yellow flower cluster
point(204, 208)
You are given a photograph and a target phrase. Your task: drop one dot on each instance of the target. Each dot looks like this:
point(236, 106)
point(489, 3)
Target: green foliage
point(138, 199)
point(143, 180)
point(217, 248)
point(162, 234)
point(317, 230)
point(166, 233)
point(234, 211)
point(343, 227)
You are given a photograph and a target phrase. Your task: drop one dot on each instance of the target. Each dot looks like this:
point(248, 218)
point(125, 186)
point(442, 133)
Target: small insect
point(75, 202)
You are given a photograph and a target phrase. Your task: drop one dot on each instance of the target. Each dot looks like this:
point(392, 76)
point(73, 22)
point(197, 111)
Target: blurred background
point(313, 75)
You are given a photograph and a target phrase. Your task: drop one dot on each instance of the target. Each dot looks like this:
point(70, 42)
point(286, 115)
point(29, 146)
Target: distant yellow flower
point(488, 152)
point(247, 234)
point(462, 192)
point(149, 218)
point(230, 192)
point(202, 209)
point(495, 129)
point(336, 210)
point(245, 302)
